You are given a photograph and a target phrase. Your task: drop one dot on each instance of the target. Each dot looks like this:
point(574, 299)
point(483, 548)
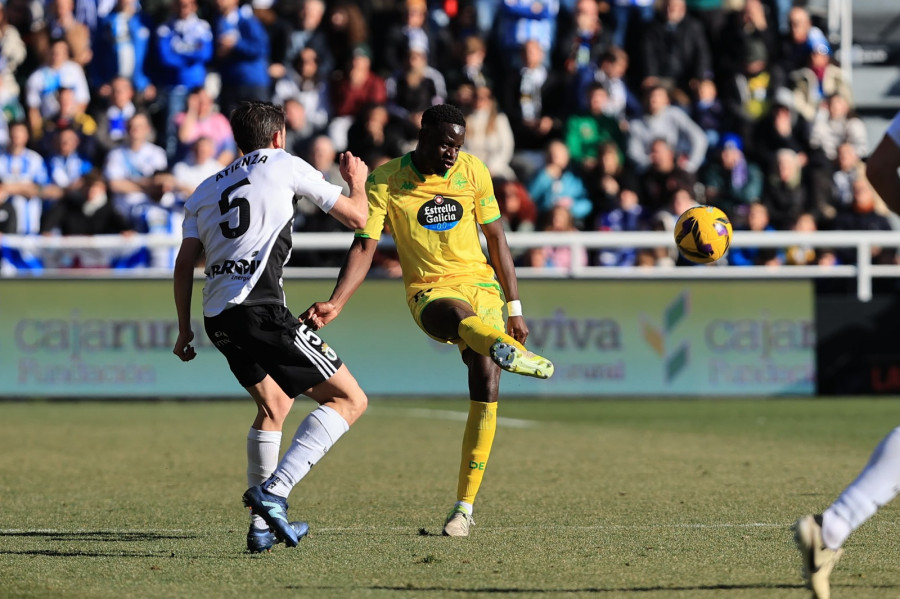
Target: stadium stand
point(608, 138)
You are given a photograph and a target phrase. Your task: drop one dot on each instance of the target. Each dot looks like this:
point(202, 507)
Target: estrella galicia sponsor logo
point(440, 213)
point(675, 356)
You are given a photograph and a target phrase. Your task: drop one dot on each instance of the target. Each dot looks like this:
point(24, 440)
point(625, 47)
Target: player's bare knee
point(356, 404)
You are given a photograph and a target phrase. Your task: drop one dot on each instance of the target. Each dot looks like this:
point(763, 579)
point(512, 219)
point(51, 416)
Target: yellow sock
point(476, 448)
point(480, 336)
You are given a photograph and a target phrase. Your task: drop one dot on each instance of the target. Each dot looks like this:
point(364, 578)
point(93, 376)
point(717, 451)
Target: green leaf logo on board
point(659, 337)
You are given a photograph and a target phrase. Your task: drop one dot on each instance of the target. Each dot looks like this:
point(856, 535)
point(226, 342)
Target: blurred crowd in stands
point(610, 115)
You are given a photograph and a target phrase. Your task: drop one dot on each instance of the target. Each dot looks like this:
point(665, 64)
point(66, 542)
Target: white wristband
point(514, 308)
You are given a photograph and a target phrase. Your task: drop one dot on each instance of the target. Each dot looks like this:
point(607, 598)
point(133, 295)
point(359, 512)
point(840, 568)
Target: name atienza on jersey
point(245, 253)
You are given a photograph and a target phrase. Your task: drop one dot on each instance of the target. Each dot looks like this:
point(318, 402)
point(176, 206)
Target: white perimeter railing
point(863, 241)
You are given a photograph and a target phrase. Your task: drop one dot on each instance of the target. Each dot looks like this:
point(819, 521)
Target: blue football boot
point(262, 540)
point(272, 509)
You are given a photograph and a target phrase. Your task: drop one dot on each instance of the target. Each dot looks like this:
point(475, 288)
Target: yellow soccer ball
point(703, 234)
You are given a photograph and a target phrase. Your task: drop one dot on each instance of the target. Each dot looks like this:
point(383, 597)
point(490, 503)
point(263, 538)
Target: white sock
point(466, 506)
point(263, 448)
point(314, 437)
point(876, 485)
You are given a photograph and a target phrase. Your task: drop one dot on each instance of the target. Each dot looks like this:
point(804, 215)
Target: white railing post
point(864, 270)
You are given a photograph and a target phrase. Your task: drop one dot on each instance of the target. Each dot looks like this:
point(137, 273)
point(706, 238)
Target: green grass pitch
point(611, 498)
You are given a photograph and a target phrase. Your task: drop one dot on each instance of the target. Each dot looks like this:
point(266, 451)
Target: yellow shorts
point(485, 298)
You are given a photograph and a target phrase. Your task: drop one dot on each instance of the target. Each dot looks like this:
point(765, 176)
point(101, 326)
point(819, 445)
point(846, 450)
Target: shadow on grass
point(637, 589)
point(100, 536)
point(59, 553)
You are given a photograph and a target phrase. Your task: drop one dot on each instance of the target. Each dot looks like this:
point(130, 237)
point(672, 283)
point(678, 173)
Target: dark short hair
point(443, 113)
point(254, 123)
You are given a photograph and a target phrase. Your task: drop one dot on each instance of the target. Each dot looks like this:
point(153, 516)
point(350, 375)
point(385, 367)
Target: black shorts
point(267, 339)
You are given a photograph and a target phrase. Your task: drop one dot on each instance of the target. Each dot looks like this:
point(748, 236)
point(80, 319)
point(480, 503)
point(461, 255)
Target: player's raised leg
point(455, 319)
point(341, 402)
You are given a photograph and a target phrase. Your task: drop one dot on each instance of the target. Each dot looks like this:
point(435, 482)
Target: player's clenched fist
point(183, 348)
point(353, 169)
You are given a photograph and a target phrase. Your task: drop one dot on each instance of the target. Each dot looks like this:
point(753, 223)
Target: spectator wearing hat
point(242, 55)
point(732, 183)
point(814, 83)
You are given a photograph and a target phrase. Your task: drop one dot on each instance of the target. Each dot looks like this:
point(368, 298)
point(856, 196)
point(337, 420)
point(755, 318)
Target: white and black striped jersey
point(244, 215)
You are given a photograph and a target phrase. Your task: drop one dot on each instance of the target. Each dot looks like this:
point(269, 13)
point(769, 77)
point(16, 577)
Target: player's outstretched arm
point(353, 273)
point(502, 261)
point(183, 278)
point(881, 170)
point(353, 210)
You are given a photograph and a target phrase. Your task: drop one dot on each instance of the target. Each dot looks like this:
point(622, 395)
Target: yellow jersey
point(433, 219)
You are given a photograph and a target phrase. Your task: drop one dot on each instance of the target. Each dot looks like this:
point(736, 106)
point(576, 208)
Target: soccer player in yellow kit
point(434, 199)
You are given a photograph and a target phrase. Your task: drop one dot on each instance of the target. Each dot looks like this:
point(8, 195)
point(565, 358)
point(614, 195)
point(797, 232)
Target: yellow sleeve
point(486, 208)
point(378, 193)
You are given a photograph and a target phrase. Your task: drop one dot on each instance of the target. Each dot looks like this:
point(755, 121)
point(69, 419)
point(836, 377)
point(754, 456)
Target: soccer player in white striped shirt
point(242, 218)
point(820, 537)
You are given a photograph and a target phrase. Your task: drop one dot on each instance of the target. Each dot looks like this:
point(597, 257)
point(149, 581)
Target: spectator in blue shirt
point(525, 20)
point(184, 46)
point(556, 184)
point(66, 166)
point(120, 50)
point(757, 220)
point(242, 52)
